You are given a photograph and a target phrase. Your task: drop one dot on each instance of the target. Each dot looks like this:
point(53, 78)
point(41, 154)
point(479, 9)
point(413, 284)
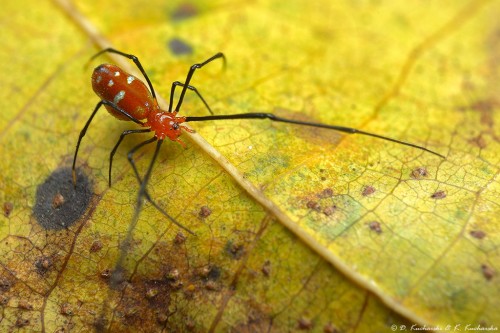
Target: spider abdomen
point(124, 90)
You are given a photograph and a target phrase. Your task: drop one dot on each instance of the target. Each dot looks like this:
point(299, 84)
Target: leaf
point(296, 228)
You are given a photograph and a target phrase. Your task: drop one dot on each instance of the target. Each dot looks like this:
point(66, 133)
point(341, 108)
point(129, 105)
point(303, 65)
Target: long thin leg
point(112, 154)
point(134, 59)
point(144, 192)
point(172, 91)
point(190, 75)
point(306, 123)
point(87, 124)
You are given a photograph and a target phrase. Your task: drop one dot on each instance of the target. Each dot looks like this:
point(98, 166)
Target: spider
point(127, 98)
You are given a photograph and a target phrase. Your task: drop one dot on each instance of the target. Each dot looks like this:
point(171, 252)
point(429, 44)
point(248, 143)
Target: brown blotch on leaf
point(266, 268)
point(204, 212)
point(24, 304)
point(7, 208)
point(419, 173)
point(314, 205)
point(488, 272)
point(478, 141)
point(330, 328)
point(3, 299)
point(96, 246)
point(329, 210)
point(304, 324)
point(326, 193)
point(479, 234)
point(5, 284)
point(43, 264)
point(367, 190)
point(439, 195)
point(66, 309)
point(180, 238)
point(235, 250)
point(375, 226)
point(21, 322)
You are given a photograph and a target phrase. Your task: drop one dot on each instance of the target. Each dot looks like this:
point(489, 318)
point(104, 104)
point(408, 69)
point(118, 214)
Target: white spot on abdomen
point(110, 83)
point(99, 79)
point(117, 73)
point(119, 97)
point(130, 79)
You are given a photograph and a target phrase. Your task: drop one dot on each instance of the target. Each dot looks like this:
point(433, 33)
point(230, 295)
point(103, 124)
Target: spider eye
point(175, 126)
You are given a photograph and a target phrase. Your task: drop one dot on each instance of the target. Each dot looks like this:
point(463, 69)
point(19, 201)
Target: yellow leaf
point(296, 229)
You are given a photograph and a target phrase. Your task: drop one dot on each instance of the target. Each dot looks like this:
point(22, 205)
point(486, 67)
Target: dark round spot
point(368, 190)
point(179, 47)
point(204, 212)
point(7, 208)
point(65, 212)
point(439, 195)
point(184, 11)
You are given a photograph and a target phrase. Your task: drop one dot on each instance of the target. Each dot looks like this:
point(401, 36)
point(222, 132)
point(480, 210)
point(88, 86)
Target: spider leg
point(143, 182)
point(87, 124)
point(177, 83)
point(122, 136)
point(190, 75)
point(273, 117)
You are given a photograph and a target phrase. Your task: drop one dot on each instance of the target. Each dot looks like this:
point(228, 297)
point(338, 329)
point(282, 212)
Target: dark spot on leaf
point(329, 210)
point(204, 212)
point(21, 322)
point(96, 246)
point(439, 195)
point(326, 193)
point(5, 284)
point(266, 268)
point(488, 272)
point(100, 324)
point(66, 309)
point(179, 47)
point(479, 234)
point(180, 238)
point(214, 273)
point(330, 328)
point(314, 205)
point(375, 226)
point(367, 190)
point(54, 213)
point(478, 141)
point(419, 173)
point(43, 264)
point(236, 251)
point(24, 305)
point(7, 208)
point(304, 324)
point(3, 299)
point(184, 11)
